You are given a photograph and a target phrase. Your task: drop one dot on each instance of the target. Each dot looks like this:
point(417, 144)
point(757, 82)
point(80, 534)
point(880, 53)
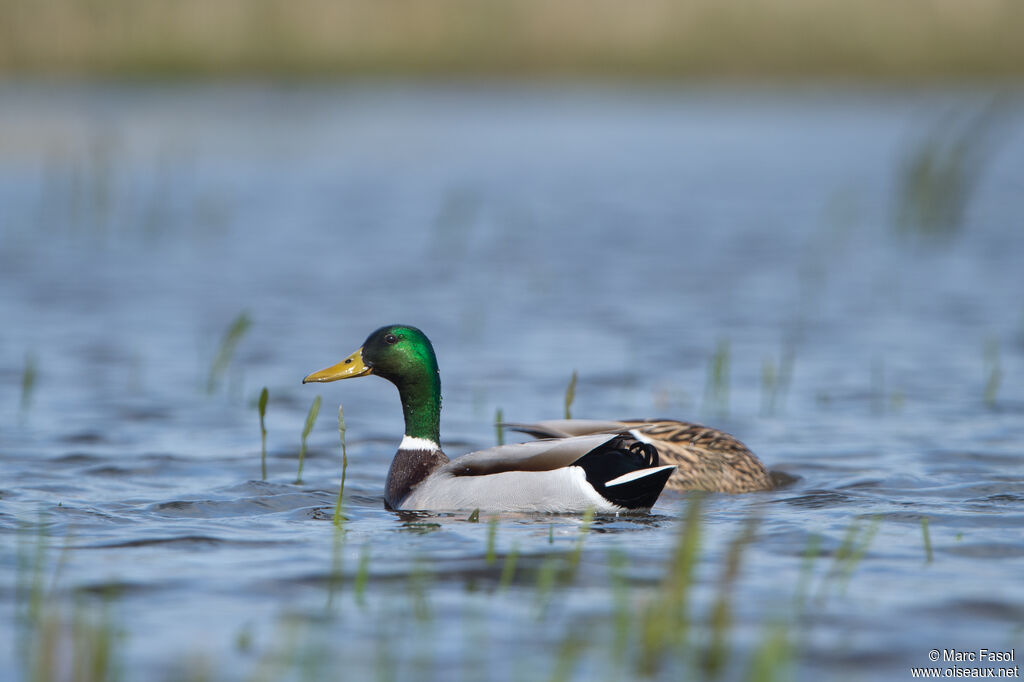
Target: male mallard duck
point(705, 458)
point(610, 472)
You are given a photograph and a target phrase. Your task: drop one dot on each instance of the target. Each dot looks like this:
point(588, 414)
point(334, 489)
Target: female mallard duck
point(705, 458)
point(610, 472)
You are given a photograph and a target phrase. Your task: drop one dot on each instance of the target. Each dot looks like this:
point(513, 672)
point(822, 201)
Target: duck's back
point(706, 458)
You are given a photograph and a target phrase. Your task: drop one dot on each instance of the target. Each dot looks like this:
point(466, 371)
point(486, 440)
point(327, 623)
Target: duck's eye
point(390, 339)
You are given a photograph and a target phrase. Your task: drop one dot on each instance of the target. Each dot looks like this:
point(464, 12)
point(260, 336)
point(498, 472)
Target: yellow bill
point(352, 366)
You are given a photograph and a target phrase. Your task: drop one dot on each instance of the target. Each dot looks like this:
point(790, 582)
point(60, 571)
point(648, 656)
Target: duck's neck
point(421, 406)
point(420, 452)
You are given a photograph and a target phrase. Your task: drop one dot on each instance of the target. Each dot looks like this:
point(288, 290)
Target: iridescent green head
point(402, 355)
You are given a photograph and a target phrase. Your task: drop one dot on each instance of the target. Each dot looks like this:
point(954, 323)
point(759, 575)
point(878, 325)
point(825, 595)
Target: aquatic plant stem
point(508, 569)
point(236, 330)
point(28, 381)
point(344, 467)
point(314, 410)
point(716, 389)
point(927, 539)
point(492, 534)
point(577, 552)
point(499, 426)
point(263, 433)
point(994, 372)
point(570, 394)
point(362, 576)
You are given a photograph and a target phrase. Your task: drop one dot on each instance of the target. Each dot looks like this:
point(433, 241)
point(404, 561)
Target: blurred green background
point(932, 39)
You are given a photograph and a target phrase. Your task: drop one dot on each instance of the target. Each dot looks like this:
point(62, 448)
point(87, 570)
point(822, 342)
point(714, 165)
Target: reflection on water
point(627, 235)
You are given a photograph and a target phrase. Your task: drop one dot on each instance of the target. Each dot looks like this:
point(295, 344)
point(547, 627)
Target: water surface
point(627, 234)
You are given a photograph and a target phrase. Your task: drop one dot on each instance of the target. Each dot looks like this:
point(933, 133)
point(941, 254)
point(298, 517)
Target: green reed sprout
point(508, 569)
point(232, 337)
point(336, 574)
point(622, 617)
point(47, 632)
point(262, 406)
point(577, 552)
point(810, 554)
point(667, 623)
point(772, 659)
point(721, 612)
point(927, 539)
point(547, 575)
point(570, 394)
point(941, 172)
point(499, 426)
point(492, 535)
point(775, 381)
point(573, 646)
point(851, 551)
point(994, 372)
point(344, 465)
point(28, 381)
point(420, 579)
point(716, 389)
point(314, 410)
point(362, 576)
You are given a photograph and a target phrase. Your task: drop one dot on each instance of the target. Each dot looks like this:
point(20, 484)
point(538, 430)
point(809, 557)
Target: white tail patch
point(641, 436)
point(634, 475)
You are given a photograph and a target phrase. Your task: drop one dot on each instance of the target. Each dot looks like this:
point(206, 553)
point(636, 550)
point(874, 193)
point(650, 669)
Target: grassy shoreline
point(873, 39)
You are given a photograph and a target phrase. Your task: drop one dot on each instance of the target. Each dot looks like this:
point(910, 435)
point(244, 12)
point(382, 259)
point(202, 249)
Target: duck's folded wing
point(539, 455)
point(564, 428)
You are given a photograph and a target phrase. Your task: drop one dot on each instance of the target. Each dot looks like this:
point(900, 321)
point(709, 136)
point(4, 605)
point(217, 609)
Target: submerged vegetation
point(226, 351)
point(307, 429)
point(781, 38)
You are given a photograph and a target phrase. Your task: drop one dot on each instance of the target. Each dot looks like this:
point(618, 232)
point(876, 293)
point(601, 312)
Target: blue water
point(625, 233)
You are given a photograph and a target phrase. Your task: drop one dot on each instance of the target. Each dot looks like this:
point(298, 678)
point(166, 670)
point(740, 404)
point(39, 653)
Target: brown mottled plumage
point(705, 458)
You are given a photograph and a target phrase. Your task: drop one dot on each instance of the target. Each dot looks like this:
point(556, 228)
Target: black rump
point(622, 456)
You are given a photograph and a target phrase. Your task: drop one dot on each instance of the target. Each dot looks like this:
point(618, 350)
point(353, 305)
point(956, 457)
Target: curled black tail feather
point(620, 457)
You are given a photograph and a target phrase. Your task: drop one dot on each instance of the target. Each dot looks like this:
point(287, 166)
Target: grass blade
point(362, 576)
point(994, 371)
point(508, 569)
point(667, 623)
point(721, 612)
point(232, 337)
point(492, 534)
point(314, 410)
point(577, 552)
point(499, 426)
point(344, 466)
point(927, 539)
point(28, 381)
point(570, 394)
point(716, 389)
point(263, 432)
